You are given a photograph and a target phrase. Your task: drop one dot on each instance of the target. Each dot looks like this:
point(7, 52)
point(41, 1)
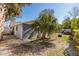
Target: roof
point(30, 22)
point(19, 23)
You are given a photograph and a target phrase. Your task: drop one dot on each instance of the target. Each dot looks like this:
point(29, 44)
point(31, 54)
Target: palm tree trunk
point(1, 36)
point(38, 36)
point(1, 20)
point(43, 35)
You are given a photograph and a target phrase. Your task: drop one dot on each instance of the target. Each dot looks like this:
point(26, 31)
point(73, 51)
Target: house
point(6, 31)
point(23, 29)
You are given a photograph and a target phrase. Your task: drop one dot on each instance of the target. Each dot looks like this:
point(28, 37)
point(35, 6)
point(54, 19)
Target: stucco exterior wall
point(18, 31)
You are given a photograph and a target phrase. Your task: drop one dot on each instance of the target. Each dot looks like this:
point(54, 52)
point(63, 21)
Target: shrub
point(66, 38)
point(77, 35)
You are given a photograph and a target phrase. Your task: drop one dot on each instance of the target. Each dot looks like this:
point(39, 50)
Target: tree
point(45, 23)
point(13, 10)
point(67, 23)
point(75, 23)
point(9, 11)
point(58, 27)
point(74, 13)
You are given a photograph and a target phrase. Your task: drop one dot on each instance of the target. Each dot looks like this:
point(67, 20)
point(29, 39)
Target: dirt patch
point(53, 47)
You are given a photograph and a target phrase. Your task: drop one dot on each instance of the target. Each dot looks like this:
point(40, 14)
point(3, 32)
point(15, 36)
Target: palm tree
point(14, 10)
point(9, 11)
point(67, 23)
point(58, 27)
point(46, 23)
point(75, 23)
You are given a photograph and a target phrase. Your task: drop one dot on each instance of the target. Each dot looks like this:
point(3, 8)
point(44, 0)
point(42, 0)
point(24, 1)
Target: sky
point(32, 12)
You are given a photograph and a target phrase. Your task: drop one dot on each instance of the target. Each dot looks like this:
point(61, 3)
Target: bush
point(77, 35)
point(66, 38)
point(77, 49)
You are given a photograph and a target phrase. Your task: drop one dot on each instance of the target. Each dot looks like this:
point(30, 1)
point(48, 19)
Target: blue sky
point(31, 12)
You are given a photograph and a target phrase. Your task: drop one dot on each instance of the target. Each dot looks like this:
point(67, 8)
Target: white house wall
point(19, 31)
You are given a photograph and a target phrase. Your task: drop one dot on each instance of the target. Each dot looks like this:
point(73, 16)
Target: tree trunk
point(2, 9)
point(44, 35)
point(1, 36)
point(39, 35)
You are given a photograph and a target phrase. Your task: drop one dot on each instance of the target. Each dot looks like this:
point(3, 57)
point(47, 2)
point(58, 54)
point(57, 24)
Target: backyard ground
point(11, 46)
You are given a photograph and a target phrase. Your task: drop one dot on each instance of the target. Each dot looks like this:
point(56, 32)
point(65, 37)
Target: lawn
point(53, 47)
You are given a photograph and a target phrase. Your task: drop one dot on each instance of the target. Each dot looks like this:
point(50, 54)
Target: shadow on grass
point(70, 50)
point(32, 48)
point(8, 37)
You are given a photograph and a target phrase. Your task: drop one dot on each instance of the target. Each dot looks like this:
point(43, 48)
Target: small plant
point(66, 38)
point(77, 46)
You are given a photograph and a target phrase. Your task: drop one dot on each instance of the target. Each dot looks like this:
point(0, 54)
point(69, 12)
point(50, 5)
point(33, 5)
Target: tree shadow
point(31, 48)
point(8, 37)
point(70, 51)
